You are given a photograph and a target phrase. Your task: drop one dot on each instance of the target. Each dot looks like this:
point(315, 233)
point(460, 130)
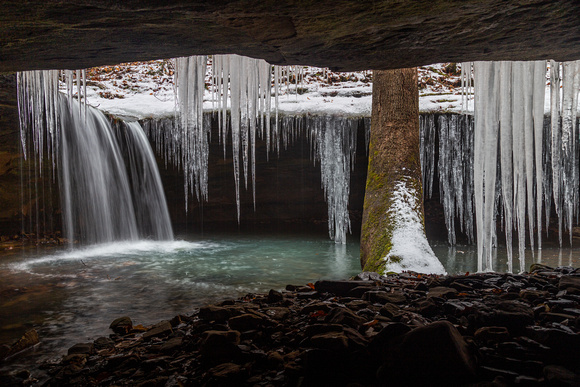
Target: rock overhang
point(340, 34)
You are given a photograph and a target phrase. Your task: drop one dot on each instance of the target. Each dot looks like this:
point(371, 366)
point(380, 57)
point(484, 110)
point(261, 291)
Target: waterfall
point(102, 200)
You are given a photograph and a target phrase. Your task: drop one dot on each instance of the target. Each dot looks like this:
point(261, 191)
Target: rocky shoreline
point(484, 329)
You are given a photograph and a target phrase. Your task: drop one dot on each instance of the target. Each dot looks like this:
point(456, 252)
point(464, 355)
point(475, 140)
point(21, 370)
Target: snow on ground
point(145, 89)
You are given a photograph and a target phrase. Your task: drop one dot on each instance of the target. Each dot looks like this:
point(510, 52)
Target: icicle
point(556, 139)
point(506, 147)
point(486, 137)
point(568, 142)
point(538, 92)
point(519, 155)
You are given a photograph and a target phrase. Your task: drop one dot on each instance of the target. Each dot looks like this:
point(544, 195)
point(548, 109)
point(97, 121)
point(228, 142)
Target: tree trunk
point(393, 231)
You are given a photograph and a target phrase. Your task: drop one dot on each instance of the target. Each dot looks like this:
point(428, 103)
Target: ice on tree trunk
point(410, 249)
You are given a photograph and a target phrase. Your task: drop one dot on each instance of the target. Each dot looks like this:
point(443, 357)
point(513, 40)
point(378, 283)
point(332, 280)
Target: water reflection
point(463, 259)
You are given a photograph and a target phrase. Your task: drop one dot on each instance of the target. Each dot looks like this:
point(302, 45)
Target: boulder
point(122, 325)
point(162, 328)
point(214, 313)
point(29, 339)
point(245, 322)
point(432, 355)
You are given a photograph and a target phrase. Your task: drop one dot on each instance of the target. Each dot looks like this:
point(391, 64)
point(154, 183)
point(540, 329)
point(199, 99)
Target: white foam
point(115, 249)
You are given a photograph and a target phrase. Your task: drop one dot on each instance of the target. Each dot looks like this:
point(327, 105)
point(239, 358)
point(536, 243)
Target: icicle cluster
point(248, 83)
point(192, 142)
point(335, 148)
point(245, 87)
point(451, 137)
point(516, 159)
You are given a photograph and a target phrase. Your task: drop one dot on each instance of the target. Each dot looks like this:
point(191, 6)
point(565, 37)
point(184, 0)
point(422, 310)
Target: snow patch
point(410, 248)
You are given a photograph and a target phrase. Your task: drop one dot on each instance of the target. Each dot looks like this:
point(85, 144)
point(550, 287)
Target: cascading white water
point(151, 212)
point(95, 188)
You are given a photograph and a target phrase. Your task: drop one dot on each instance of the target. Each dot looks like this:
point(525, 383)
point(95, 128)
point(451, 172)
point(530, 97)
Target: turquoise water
point(72, 296)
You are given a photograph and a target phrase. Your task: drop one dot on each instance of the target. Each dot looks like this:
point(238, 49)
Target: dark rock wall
point(28, 195)
point(289, 195)
point(341, 34)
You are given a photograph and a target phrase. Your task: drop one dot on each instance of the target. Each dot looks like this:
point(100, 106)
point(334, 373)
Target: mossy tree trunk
point(393, 158)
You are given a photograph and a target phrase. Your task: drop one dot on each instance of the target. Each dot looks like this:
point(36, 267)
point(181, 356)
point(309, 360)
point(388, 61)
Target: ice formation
point(100, 197)
point(535, 162)
point(410, 249)
point(244, 87)
point(450, 136)
point(335, 148)
point(507, 162)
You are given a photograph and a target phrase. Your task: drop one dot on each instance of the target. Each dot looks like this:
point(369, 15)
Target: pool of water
point(72, 296)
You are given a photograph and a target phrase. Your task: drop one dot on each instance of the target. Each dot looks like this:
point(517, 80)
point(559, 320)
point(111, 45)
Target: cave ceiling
point(343, 35)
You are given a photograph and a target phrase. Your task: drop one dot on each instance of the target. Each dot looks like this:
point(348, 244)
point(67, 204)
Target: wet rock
point(514, 315)
point(565, 342)
point(122, 325)
point(390, 335)
point(82, 348)
point(339, 288)
point(359, 291)
point(277, 313)
point(560, 376)
point(275, 296)
point(535, 267)
point(4, 351)
point(534, 296)
point(316, 307)
point(443, 292)
point(171, 345)
point(571, 284)
point(103, 343)
point(378, 296)
point(29, 339)
point(221, 346)
point(245, 322)
point(317, 329)
point(214, 313)
point(368, 276)
point(495, 334)
point(430, 355)
point(162, 328)
point(324, 367)
point(333, 341)
point(226, 374)
point(391, 311)
point(356, 305)
point(426, 307)
point(344, 316)
point(355, 339)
